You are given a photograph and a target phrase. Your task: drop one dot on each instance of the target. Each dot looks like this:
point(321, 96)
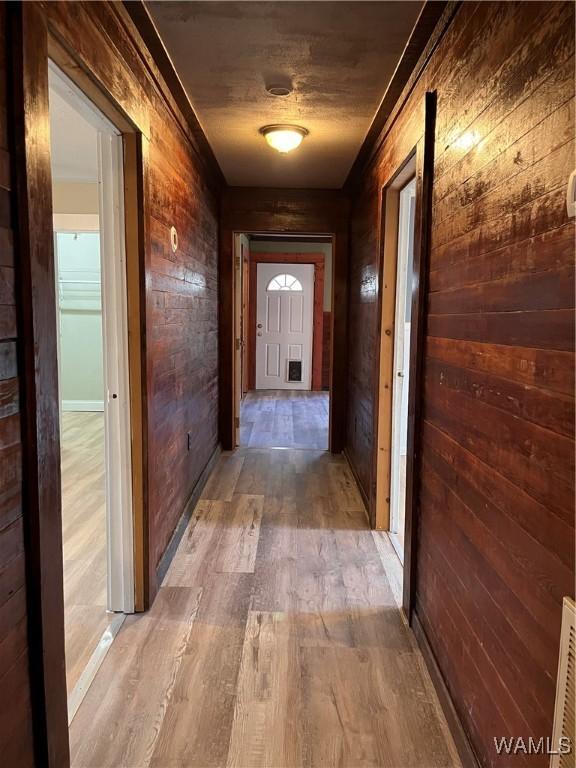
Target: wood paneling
point(16, 742)
point(38, 370)
point(264, 211)
point(495, 548)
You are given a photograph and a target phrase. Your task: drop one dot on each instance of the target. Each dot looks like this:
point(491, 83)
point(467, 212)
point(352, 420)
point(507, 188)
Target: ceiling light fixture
point(284, 138)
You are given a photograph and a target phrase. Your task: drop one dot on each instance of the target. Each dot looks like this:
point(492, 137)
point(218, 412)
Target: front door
point(284, 320)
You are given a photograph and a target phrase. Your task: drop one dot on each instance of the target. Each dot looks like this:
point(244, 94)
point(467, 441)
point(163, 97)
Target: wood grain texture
point(284, 419)
point(38, 369)
point(298, 211)
point(303, 658)
point(16, 739)
point(496, 510)
point(83, 538)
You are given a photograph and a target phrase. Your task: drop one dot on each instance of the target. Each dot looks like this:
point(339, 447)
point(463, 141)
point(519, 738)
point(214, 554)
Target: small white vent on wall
point(564, 737)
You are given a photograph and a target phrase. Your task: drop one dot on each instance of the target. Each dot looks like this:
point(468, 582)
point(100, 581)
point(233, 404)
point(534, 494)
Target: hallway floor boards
point(84, 537)
point(284, 418)
point(275, 639)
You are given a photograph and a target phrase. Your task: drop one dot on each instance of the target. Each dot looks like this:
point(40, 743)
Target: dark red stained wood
point(264, 211)
point(546, 409)
point(550, 329)
point(495, 550)
point(317, 259)
point(16, 739)
point(38, 373)
point(536, 255)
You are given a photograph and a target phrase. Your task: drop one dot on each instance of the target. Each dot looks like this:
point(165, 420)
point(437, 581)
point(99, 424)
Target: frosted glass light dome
point(284, 138)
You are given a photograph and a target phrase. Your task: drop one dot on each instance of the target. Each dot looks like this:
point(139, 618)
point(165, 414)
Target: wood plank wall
point(181, 190)
point(496, 537)
point(16, 744)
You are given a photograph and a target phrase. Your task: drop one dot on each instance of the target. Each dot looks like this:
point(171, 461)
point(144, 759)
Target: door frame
point(384, 385)
point(117, 401)
point(32, 44)
point(253, 319)
point(318, 261)
point(244, 314)
point(418, 162)
point(238, 332)
point(230, 226)
point(133, 194)
point(116, 371)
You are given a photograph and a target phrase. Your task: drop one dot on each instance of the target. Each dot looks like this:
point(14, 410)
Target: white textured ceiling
point(338, 56)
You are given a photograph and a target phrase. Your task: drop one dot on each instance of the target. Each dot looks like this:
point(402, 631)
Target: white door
point(401, 366)
point(117, 389)
point(284, 322)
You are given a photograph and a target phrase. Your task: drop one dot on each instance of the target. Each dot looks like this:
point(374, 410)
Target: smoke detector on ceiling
point(279, 90)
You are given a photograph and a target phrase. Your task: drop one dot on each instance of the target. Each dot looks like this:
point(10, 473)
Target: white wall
point(79, 295)
point(75, 197)
point(274, 246)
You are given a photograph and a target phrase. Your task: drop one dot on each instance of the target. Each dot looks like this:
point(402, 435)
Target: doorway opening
point(398, 234)
point(87, 159)
point(283, 321)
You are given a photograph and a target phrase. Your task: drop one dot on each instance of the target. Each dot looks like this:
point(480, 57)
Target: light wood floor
point(84, 537)
point(275, 640)
point(284, 418)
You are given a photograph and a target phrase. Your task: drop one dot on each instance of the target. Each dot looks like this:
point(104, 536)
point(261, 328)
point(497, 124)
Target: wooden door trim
point(420, 272)
point(245, 267)
point(135, 207)
point(38, 364)
point(317, 259)
point(32, 44)
point(423, 154)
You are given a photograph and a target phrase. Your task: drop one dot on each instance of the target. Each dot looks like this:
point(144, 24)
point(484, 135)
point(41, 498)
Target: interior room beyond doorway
point(92, 354)
point(284, 318)
point(81, 377)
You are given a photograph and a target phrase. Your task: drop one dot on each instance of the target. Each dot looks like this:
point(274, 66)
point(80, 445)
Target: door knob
point(259, 325)
point(401, 374)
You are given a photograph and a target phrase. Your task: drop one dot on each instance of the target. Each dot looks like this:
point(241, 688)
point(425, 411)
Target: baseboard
point(357, 481)
point(170, 550)
point(465, 750)
point(82, 405)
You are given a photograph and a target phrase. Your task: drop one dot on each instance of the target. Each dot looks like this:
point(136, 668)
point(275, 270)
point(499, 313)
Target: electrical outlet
point(189, 440)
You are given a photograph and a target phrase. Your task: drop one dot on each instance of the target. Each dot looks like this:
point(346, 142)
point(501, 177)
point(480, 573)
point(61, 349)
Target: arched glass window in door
point(284, 283)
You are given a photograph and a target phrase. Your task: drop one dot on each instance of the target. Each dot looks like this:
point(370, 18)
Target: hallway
point(275, 639)
point(376, 203)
